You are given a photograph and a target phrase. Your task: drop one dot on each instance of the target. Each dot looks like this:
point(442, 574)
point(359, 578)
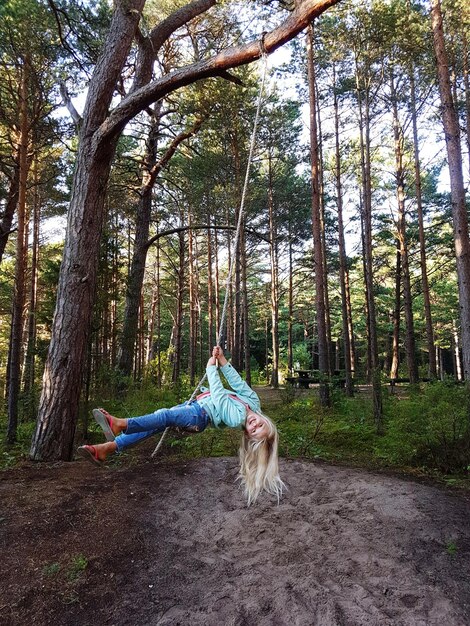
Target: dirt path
point(172, 543)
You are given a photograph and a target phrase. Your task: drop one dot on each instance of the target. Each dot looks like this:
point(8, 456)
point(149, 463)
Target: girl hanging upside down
point(219, 406)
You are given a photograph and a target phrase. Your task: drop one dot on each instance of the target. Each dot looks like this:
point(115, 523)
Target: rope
point(264, 57)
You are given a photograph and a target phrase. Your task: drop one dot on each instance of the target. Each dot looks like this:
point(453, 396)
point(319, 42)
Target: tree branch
point(74, 114)
point(180, 229)
point(139, 99)
point(150, 45)
point(157, 168)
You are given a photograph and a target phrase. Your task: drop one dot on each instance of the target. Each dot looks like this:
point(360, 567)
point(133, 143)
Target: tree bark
point(364, 132)
point(192, 302)
point(395, 317)
point(62, 381)
point(466, 81)
point(10, 206)
point(323, 348)
point(245, 316)
point(29, 361)
point(343, 262)
point(210, 287)
point(454, 156)
point(178, 334)
point(274, 292)
point(422, 239)
point(19, 297)
point(402, 239)
point(290, 320)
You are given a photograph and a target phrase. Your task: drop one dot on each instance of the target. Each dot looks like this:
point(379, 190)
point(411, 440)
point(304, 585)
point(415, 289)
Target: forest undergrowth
point(427, 429)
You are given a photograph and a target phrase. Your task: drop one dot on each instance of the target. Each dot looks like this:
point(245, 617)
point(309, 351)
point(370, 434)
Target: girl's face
point(256, 426)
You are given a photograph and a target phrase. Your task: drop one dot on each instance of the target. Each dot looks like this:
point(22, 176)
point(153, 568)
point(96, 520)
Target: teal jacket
point(223, 409)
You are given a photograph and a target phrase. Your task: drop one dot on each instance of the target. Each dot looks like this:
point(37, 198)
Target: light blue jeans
point(190, 417)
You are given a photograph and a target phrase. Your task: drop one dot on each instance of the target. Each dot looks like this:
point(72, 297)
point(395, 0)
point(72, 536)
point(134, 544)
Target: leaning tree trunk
point(454, 156)
point(323, 348)
point(62, 381)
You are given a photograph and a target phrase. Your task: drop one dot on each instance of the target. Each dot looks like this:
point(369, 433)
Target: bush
point(430, 429)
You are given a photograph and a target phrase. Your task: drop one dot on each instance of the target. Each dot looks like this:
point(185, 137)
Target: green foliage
point(51, 569)
point(429, 429)
point(76, 567)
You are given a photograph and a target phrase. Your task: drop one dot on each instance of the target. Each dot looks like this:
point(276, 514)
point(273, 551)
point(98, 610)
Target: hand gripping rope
point(264, 57)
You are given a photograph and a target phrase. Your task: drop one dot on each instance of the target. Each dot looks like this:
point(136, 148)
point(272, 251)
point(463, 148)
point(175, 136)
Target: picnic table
point(304, 378)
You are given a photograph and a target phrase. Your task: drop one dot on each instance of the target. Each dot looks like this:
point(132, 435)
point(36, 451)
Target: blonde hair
point(259, 467)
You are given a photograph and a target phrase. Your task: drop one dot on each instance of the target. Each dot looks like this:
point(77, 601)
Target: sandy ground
point(173, 543)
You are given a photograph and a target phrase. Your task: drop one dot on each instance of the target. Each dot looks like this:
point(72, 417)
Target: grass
point(425, 432)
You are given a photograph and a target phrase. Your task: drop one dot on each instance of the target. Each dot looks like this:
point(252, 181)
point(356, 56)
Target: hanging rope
point(264, 57)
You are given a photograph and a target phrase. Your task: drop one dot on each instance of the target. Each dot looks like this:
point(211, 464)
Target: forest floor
point(168, 542)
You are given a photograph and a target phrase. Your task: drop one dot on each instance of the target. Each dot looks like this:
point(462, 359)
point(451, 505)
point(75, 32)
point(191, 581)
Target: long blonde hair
point(259, 467)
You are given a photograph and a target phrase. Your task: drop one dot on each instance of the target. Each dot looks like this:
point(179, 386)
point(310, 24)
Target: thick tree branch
point(139, 99)
point(150, 45)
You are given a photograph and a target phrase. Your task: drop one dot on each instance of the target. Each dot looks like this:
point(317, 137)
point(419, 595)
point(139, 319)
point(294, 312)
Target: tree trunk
point(274, 294)
point(237, 332)
point(466, 80)
point(454, 155)
point(422, 240)
point(19, 297)
point(290, 320)
point(10, 205)
point(343, 263)
point(245, 304)
point(29, 362)
point(62, 382)
point(402, 238)
point(323, 348)
point(364, 130)
point(178, 336)
point(217, 288)
point(192, 303)
point(139, 256)
point(321, 191)
point(395, 317)
point(210, 287)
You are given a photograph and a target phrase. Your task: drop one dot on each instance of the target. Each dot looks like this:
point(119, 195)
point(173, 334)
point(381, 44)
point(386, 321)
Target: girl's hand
point(212, 361)
point(218, 353)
